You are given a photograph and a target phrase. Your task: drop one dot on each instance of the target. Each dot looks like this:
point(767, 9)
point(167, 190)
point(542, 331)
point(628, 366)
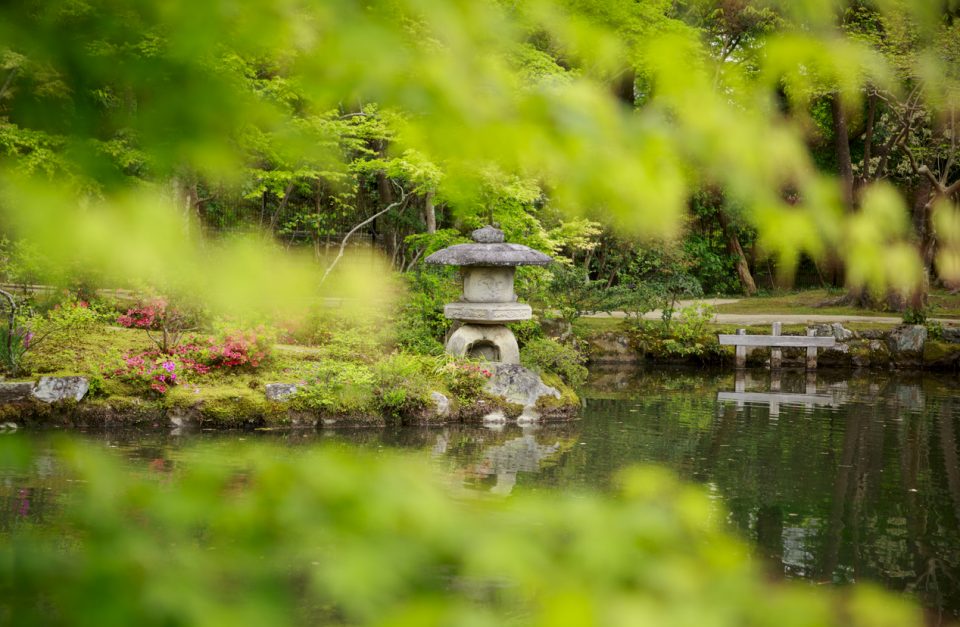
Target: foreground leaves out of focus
point(266, 536)
point(117, 115)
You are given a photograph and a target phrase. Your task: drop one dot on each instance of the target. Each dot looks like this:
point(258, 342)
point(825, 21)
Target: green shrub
point(465, 379)
point(549, 355)
point(342, 336)
point(27, 330)
point(420, 323)
point(572, 294)
point(692, 322)
point(913, 315)
point(402, 383)
point(354, 344)
point(337, 387)
point(687, 336)
point(526, 331)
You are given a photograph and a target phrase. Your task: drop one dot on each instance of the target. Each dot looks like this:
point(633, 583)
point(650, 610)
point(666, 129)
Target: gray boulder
point(441, 405)
point(279, 391)
point(842, 334)
point(17, 391)
point(55, 389)
point(612, 348)
point(835, 329)
point(907, 339)
point(951, 334)
point(518, 385)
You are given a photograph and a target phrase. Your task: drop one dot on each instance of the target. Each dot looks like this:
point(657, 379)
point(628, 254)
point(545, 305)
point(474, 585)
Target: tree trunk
point(841, 140)
point(185, 197)
point(430, 212)
point(734, 248)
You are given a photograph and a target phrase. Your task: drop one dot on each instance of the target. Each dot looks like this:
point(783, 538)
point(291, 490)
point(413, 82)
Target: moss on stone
point(552, 408)
point(941, 354)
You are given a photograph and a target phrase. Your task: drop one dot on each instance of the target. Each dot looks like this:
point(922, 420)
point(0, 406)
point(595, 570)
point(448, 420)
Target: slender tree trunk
point(185, 197)
point(841, 140)
point(734, 248)
point(430, 212)
point(926, 243)
point(868, 142)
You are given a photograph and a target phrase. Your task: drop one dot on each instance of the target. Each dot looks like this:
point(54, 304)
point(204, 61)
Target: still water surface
point(835, 479)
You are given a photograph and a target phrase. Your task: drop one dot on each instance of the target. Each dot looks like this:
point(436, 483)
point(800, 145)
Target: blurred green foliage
point(245, 535)
point(147, 115)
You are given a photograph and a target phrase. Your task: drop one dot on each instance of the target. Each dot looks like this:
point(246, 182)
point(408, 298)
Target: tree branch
point(283, 205)
point(343, 244)
point(6, 83)
point(925, 171)
point(945, 174)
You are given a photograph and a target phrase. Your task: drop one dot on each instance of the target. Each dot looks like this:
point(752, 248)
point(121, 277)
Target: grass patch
point(943, 304)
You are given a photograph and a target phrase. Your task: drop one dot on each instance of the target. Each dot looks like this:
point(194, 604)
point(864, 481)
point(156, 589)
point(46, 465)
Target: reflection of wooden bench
point(776, 342)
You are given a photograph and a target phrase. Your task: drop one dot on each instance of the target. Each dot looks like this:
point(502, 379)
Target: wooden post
point(741, 359)
point(776, 354)
point(811, 352)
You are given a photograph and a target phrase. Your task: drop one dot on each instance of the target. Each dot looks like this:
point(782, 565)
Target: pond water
point(833, 478)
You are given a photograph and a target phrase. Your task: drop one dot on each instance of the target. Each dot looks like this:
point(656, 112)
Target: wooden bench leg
point(741, 360)
point(776, 354)
point(811, 352)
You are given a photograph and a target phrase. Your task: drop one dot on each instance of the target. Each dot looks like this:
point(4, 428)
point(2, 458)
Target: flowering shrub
point(239, 349)
point(143, 316)
point(159, 373)
point(465, 379)
point(475, 369)
point(163, 323)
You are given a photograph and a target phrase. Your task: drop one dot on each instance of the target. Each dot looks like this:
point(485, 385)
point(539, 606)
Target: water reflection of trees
point(868, 489)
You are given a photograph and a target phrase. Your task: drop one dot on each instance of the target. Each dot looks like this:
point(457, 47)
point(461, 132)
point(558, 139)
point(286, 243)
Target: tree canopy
point(116, 117)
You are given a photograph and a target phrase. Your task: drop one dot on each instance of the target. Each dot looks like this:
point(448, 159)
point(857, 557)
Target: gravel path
point(785, 318)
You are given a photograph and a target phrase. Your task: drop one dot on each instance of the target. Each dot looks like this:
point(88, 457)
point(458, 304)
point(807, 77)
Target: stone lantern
point(488, 301)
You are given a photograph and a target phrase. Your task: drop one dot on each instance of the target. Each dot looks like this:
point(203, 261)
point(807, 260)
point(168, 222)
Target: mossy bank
point(858, 345)
point(345, 382)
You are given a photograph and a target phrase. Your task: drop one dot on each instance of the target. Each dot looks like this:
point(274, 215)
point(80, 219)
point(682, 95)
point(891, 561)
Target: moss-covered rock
point(566, 407)
point(938, 354)
point(612, 347)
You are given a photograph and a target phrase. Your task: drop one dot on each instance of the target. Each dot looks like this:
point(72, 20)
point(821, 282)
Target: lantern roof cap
point(488, 249)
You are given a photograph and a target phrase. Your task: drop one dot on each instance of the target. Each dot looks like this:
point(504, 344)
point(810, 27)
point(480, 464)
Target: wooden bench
point(776, 342)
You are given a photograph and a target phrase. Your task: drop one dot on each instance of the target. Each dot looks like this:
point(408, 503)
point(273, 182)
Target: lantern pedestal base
point(490, 342)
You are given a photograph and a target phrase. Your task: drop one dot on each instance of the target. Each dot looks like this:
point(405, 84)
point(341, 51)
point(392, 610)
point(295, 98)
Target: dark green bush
point(420, 325)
